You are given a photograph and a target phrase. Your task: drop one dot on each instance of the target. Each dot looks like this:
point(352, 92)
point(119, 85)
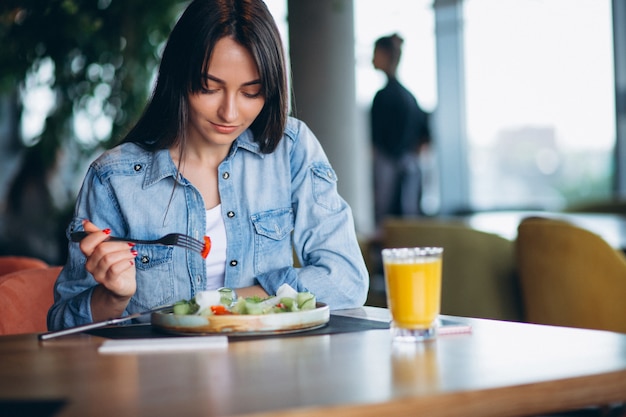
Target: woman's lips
point(224, 129)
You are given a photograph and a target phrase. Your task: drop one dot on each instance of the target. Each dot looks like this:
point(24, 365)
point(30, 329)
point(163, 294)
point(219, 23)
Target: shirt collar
point(246, 141)
point(162, 166)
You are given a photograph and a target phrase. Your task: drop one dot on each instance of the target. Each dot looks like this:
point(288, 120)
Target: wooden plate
point(242, 324)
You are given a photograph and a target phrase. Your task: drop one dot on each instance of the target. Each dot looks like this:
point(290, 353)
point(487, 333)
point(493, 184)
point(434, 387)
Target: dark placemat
point(336, 324)
point(30, 408)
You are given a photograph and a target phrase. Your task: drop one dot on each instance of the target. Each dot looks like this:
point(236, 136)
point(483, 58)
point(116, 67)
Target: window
point(540, 102)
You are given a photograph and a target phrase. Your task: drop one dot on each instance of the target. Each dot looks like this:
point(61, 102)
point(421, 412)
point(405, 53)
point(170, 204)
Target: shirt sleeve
point(74, 286)
point(324, 235)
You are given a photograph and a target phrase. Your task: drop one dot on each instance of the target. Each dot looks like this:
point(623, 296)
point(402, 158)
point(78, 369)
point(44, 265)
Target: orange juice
point(414, 291)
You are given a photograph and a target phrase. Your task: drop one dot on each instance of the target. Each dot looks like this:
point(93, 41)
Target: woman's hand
point(112, 265)
point(255, 290)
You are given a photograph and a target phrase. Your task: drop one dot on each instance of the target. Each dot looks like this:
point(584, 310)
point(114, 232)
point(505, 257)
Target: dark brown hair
point(392, 44)
point(185, 61)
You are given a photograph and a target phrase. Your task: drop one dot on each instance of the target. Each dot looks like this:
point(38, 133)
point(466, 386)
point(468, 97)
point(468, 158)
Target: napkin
point(169, 344)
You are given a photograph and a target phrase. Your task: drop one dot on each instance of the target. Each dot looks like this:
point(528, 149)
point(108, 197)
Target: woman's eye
point(210, 88)
point(252, 94)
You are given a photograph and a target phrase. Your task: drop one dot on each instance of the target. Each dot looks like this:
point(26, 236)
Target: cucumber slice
point(306, 301)
point(182, 307)
point(254, 308)
point(289, 303)
point(240, 307)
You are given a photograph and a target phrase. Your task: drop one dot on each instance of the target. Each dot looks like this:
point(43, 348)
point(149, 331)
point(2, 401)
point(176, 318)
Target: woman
point(215, 154)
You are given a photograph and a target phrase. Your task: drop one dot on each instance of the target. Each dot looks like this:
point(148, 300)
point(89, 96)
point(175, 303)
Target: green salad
point(224, 301)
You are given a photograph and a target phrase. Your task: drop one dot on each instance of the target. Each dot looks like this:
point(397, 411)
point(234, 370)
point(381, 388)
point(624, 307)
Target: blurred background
point(525, 96)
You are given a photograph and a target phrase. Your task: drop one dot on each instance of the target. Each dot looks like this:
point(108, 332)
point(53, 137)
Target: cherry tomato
point(220, 310)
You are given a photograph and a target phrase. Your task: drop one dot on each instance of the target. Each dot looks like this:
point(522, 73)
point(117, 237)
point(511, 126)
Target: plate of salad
point(220, 312)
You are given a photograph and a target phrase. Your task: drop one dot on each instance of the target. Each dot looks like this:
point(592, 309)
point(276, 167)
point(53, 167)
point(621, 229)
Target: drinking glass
point(413, 285)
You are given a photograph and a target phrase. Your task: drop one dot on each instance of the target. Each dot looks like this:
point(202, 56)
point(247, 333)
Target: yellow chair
point(570, 276)
point(478, 278)
point(25, 298)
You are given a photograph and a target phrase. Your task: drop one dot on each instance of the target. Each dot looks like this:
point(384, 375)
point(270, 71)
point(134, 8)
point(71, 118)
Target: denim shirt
point(273, 205)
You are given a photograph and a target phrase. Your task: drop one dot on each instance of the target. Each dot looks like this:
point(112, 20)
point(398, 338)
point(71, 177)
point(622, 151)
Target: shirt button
point(231, 214)
point(137, 167)
point(233, 262)
point(226, 175)
point(145, 259)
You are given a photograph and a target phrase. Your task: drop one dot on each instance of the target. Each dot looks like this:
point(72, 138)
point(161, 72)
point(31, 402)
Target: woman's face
point(232, 99)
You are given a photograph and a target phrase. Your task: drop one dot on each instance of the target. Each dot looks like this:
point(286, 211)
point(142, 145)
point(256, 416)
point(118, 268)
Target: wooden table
point(500, 369)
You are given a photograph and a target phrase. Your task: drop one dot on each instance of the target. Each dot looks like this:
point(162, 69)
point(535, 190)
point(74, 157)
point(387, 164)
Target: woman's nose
point(228, 108)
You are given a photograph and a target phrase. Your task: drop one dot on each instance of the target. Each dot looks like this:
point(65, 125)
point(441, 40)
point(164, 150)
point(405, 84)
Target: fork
point(172, 239)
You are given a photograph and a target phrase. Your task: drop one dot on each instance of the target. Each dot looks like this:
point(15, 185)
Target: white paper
point(168, 344)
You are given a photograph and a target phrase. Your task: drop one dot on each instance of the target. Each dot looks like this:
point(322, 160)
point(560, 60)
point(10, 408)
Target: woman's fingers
point(112, 264)
point(89, 226)
point(95, 237)
point(108, 255)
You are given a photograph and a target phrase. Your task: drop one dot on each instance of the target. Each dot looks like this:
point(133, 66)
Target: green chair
point(598, 206)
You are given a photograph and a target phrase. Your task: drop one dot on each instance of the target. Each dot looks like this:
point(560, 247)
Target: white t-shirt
point(216, 260)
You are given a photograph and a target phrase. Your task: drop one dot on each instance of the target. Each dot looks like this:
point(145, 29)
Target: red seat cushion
point(10, 264)
point(25, 298)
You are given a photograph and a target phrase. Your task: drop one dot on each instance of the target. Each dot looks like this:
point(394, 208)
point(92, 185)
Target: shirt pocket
point(272, 239)
point(324, 183)
point(155, 277)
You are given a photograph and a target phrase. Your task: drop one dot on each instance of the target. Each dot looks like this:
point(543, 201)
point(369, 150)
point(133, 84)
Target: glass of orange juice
point(413, 285)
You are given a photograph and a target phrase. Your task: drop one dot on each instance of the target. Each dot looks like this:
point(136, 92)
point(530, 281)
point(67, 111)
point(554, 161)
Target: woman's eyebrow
point(220, 81)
